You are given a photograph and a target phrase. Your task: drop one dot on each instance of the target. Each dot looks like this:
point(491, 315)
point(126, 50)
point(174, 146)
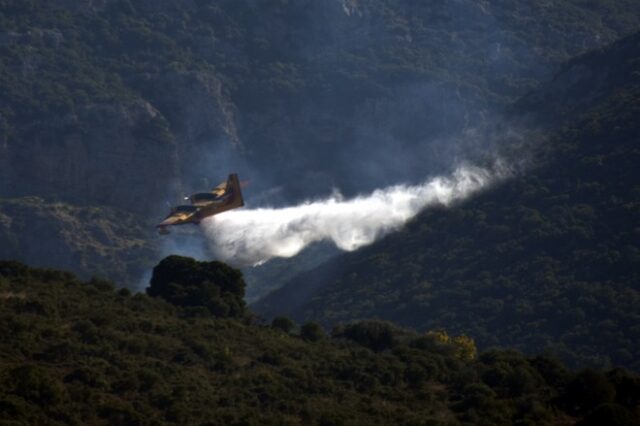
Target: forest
point(77, 352)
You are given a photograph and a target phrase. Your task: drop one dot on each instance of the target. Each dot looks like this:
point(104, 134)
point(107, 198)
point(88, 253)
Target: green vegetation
point(94, 241)
point(78, 352)
point(212, 285)
point(58, 58)
point(546, 261)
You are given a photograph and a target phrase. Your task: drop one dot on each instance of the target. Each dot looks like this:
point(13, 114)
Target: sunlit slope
point(546, 261)
point(78, 353)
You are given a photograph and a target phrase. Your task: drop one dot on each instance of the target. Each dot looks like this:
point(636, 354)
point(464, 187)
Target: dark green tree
point(588, 389)
point(186, 282)
point(312, 332)
point(283, 323)
point(375, 335)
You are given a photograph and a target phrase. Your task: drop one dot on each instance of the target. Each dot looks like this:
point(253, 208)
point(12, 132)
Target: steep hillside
point(131, 103)
point(547, 261)
point(95, 96)
point(263, 279)
point(78, 353)
point(95, 241)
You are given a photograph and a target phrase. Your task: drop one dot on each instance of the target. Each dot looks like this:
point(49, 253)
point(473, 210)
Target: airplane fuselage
point(205, 204)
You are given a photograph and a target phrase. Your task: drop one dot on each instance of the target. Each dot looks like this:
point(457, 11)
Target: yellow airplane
point(223, 197)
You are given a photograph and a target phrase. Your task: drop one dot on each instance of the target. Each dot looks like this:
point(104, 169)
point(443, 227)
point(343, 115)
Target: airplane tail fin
point(234, 188)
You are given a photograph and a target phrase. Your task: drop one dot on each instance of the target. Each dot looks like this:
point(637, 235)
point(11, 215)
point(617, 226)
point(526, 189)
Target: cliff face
point(201, 117)
point(106, 154)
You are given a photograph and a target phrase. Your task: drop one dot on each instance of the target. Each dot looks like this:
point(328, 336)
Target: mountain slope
point(260, 77)
point(92, 240)
point(130, 104)
point(545, 261)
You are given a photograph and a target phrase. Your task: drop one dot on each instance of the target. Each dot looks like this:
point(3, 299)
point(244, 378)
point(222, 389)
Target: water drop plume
point(252, 236)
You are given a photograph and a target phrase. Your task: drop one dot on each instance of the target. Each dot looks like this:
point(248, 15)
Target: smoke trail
point(256, 235)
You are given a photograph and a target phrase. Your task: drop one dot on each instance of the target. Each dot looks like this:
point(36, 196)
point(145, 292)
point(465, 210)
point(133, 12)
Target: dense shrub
point(312, 332)
point(375, 335)
point(98, 357)
point(283, 323)
point(188, 283)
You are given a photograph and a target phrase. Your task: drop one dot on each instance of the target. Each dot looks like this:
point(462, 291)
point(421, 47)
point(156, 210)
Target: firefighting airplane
point(223, 197)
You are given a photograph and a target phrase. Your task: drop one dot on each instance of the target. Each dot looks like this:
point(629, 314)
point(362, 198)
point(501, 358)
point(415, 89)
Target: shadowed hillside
point(131, 104)
point(101, 241)
point(548, 260)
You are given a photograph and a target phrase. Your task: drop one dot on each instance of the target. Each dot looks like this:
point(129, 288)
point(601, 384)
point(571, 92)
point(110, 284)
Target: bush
point(35, 384)
point(610, 415)
point(588, 389)
point(375, 335)
point(312, 332)
point(186, 282)
point(283, 323)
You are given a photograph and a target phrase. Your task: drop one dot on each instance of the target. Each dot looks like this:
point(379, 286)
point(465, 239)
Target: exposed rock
point(196, 107)
point(200, 114)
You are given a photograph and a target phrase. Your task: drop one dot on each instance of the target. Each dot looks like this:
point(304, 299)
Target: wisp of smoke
point(252, 236)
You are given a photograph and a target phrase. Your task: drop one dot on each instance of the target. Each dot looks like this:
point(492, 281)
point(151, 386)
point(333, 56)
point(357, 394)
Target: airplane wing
point(173, 219)
point(180, 215)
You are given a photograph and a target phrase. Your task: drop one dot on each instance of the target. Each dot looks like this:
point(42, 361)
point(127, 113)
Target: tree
point(312, 332)
point(186, 282)
point(283, 323)
point(375, 335)
point(587, 390)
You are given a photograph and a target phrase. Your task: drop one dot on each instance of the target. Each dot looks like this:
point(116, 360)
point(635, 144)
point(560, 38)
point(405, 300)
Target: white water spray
point(256, 235)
